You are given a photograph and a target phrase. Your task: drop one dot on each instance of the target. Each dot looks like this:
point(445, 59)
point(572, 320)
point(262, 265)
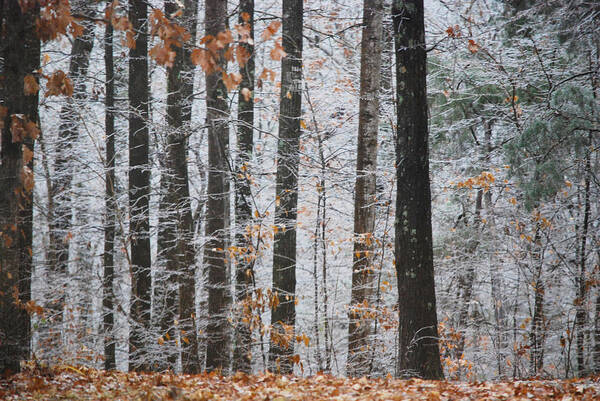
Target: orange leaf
point(30, 85)
point(271, 30)
point(277, 53)
point(27, 179)
point(242, 55)
point(232, 80)
point(163, 55)
point(59, 84)
point(203, 58)
point(17, 129)
point(473, 46)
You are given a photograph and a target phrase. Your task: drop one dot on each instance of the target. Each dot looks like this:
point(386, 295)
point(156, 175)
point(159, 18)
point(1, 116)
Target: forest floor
point(80, 383)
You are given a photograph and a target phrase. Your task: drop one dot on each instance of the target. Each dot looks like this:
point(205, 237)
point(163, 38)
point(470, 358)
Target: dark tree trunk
point(139, 188)
point(20, 50)
point(243, 207)
point(60, 208)
point(218, 330)
point(175, 235)
point(365, 193)
point(582, 287)
point(284, 252)
point(418, 353)
point(190, 361)
point(110, 204)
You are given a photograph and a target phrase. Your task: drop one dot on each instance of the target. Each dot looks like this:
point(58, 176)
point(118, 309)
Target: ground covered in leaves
point(79, 383)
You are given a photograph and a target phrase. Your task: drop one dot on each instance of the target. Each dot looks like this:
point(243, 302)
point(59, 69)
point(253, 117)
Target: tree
point(108, 257)
point(175, 234)
point(283, 311)
point(217, 114)
point(20, 50)
point(418, 352)
point(60, 199)
point(139, 186)
point(365, 191)
point(243, 207)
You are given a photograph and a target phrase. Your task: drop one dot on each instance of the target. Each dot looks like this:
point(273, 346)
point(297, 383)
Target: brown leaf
point(473, 46)
point(242, 55)
point(204, 59)
point(277, 53)
point(32, 129)
point(59, 84)
point(270, 30)
point(162, 55)
point(30, 85)
point(232, 80)
point(17, 129)
point(27, 179)
point(27, 155)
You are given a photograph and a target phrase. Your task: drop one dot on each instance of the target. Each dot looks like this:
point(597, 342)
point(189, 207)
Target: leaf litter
point(82, 383)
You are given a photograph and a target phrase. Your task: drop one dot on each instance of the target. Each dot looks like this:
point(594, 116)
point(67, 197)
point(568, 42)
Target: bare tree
point(243, 206)
point(139, 187)
point(418, 353)
point(283, 314)
point(20, 53)
point(365, 191)
point(217, 205)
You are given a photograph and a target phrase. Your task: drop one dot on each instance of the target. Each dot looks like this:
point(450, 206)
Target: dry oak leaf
point(242, 55)
point(270, 30)
point(17, 128)
point(204, 59)
point(30, 85)
point(55, 17)
point(473, 46)
point(59, 84)
point(27, 179)
point(232, 80)
point(163, 55)
point(277, 53)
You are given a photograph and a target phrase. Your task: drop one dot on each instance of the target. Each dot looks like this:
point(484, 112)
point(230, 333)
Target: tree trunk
point(242, 360)
point(190, 360)
point(418, 335)
point(139, 188)
point(21, 57)
point(582, 285)
point(365, 192)
point(217, 331)
point(537, 335)
point(108, 259)
point(283, 315)
point(60, 208)
point(175, 235)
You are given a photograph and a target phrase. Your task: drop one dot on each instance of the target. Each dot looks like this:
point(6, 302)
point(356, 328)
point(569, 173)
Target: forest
point(310, 188)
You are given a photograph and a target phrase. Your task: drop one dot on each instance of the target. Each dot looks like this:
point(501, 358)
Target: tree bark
point(108, 257)
point(582, 285)
point(175, 234)
point(218, 330)
point(284, 253)
point(21, 57)
point(60, 208)
point(139, 188)
point(242, 360)
point(418, 334)
point(365, 192)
